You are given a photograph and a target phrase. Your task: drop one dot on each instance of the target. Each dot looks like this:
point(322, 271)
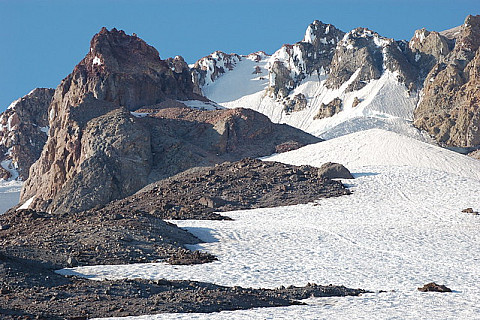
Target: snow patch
point(45, 129)
point(139, 114)
point(26, 204)
point(378, 147)
point(96, 61)
point(201, 105)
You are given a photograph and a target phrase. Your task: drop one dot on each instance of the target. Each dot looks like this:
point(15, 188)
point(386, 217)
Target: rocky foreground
point(132, 231)
point(31, 290)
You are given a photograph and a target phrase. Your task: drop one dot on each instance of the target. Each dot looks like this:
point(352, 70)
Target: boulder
point(433, 287)
point(333, 170)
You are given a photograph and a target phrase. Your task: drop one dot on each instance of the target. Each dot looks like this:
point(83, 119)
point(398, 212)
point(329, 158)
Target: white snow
point(385, 103)
point(400, 228)
point(96, 61)
point(139, 114)
point(239, 82)
point(385, 148)
point(45, 129)
point(10, 166)
point(309, 35)
point(26, 204)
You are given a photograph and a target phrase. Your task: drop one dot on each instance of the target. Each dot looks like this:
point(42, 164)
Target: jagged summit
point(115, 51)
point(318, 31)
point(124, 70)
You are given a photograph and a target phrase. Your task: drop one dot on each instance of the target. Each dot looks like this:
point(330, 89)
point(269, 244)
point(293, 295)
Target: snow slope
point(400, 228)
point(386, 101)
point(380, 147)
point(243, 80)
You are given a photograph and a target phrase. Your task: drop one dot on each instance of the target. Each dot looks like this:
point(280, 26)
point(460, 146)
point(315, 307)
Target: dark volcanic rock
point(98, 236)
point(332, 170)
point(433, 287)
point(31, 290)
point(249, 183)
point(23, 131)
point(98, 152)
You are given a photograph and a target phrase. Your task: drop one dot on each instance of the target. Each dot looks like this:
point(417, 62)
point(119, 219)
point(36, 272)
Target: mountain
point(99, 150)
point(333, 83)
point(23, 133)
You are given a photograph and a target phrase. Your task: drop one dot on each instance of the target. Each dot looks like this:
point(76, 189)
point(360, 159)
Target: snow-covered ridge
point(298, 80)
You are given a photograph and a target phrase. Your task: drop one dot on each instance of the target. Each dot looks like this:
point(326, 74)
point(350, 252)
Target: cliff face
point(449, 109)
point(98, 151)
point(23, 133)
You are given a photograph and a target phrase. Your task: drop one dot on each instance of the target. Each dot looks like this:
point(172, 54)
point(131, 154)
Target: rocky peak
point(23, 132)
point(119, 71)
point(429, 48)
point(126, 71)
point(468, 39)
point(368, 55)
point(257, 56)
point(115, 51)
point(292, 63)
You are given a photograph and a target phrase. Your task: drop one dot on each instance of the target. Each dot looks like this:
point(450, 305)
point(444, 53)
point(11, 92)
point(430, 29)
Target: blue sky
point(41, 41)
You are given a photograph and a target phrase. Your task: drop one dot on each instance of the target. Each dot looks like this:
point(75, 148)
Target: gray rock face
point(23, 131)
point(332, 170)
point(449, 110)
point(366, 52)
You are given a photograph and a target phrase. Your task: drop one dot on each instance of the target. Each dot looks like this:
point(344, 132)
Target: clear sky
point(42, 40)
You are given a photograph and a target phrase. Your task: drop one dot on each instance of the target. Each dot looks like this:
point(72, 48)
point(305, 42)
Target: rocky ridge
point(209, 68)
point(449, 109)
point(23, 132)
point(434, 80)
point(201, 193)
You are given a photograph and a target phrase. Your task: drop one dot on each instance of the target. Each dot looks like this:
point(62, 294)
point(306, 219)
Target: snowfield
point(401, 227)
